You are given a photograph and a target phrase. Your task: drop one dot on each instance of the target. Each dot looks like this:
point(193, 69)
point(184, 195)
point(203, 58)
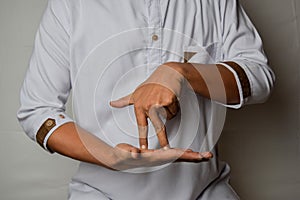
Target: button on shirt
point(103, 50)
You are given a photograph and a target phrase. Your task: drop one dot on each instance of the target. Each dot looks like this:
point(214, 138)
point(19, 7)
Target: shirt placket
point(154, 35)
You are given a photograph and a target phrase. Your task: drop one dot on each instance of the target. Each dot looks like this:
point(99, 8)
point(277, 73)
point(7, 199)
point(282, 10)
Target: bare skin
point(156, 96)
point(74, 142)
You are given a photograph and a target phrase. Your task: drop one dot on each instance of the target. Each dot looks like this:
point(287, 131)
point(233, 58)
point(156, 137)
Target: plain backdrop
point(261, 142)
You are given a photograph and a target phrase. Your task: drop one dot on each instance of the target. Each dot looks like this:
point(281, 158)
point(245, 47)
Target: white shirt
point(103, 49)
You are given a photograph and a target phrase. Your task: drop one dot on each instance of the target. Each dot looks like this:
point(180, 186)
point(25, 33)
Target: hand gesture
point(155, 98)
point(126, 156)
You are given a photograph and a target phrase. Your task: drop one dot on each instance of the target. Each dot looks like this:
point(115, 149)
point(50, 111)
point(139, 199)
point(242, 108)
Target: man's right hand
point(73, 141)
point(126, 156)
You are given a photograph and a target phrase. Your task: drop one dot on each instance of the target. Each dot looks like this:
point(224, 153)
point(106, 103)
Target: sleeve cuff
point(242, 83)
point(48, 127)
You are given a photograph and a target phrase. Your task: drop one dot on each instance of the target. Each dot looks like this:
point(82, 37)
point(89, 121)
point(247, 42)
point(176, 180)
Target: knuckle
point(138, 108)
point(148, 106)
point(169, 100)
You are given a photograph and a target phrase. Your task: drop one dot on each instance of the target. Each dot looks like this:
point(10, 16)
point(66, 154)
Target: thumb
point(122, 102)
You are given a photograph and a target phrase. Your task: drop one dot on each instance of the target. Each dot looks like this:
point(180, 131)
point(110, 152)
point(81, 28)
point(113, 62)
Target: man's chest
point(119, 27)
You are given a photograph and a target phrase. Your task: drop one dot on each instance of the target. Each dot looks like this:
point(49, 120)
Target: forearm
point(74, 142)
point(211, 81)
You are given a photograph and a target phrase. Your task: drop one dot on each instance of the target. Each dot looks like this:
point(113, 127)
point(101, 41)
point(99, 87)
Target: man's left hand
point(155, 98)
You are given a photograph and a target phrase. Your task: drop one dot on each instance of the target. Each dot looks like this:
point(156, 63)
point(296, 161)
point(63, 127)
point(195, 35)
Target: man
point(182, 61)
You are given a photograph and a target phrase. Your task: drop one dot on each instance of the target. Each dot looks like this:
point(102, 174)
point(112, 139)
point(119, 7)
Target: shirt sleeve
point(243, 55)
point(47, 82)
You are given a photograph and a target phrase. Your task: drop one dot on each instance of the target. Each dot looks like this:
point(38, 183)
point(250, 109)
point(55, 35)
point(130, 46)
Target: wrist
point(180, 68)
point(177, 66)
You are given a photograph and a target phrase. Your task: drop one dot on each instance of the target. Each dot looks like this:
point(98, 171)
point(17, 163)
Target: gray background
point(261, 142)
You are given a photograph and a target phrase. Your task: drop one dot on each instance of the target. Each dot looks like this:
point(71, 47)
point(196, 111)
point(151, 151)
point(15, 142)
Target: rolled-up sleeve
point(47, 82)
point(242, 48)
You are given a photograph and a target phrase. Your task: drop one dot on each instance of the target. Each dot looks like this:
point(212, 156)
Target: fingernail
point(166, 148)
point(143, 147)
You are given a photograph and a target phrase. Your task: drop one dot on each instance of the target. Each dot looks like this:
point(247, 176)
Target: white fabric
point(104, 49)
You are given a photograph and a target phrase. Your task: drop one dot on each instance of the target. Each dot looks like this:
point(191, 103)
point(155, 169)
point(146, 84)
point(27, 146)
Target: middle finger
point(159, 126)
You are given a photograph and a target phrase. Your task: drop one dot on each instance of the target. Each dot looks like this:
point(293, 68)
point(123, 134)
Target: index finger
point(141, 119)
